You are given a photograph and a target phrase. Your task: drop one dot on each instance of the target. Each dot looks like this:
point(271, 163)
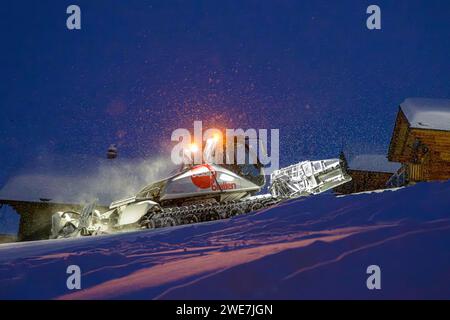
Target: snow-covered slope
point(319, 247)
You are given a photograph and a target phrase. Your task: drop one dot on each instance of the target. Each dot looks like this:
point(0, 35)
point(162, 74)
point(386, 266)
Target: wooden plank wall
point(399, 138)
point(363, 181)
point(432, 165)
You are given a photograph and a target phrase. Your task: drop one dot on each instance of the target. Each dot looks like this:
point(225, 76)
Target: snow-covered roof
point(373, 162)
point(425, 113)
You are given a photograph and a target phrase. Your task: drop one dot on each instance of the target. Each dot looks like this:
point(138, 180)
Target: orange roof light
point(216, 136)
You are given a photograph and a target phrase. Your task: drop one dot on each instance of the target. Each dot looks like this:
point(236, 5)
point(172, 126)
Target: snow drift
point(317, 247)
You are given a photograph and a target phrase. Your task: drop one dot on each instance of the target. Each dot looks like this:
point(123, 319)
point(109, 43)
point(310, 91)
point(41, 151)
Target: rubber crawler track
point(167, 217)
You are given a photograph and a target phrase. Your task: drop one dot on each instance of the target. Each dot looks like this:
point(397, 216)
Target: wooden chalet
point(369, 172)
point(421, 139)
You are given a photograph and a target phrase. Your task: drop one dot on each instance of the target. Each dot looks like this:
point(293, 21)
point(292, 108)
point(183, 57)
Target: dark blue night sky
point(139, 69)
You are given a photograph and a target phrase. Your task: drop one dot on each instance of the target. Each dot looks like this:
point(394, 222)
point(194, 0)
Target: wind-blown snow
point(318, 247)
point(425, 113)
point(84, 179)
